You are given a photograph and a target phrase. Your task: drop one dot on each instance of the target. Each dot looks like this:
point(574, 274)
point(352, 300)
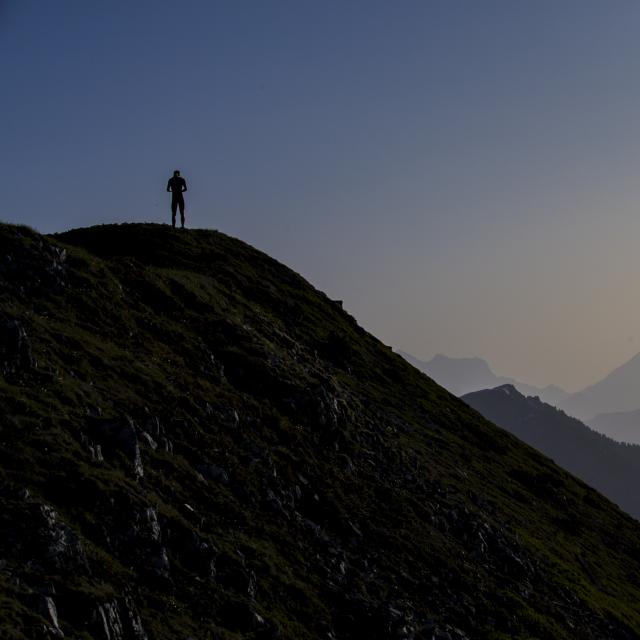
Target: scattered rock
point(148, 440)
point(233, 574)
point(131, 622)
point(63, 549)
point(117, 620)
point(149, 526)
point(229, 418)
point(47, 609)
point(146, 535)
point(123, 436)
point(94, 450)
point(15, 348)
point(105, 622)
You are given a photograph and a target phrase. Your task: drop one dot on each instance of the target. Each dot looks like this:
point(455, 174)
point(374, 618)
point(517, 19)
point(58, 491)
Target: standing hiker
point(177, 186)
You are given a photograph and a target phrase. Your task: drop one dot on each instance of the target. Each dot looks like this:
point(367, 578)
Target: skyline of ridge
point(463, 176)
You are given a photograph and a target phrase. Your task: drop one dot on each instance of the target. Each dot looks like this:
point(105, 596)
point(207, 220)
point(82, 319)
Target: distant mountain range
point(465, 375)
point(618, 392)
point(610, 467)
point(611, 406)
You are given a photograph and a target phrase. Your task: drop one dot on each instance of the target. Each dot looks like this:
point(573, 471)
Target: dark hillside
point(195, 443)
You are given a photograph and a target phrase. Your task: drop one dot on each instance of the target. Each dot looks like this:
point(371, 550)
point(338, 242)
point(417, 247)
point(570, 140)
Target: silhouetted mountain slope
point(623, 426)
point(465, 375)
point(195, 443)
point(616, 393)
point(609, 466)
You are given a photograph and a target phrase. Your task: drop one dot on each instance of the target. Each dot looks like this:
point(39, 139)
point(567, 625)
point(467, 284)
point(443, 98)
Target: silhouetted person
point(177, 186)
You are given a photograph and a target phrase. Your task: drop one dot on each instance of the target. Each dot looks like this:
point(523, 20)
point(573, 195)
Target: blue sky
point(463, 174)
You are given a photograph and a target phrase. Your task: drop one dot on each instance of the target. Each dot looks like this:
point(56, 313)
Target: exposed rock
point(149, 526)
point(131, 622)
point(233, 574)
point(47, 609)
point(117, 620)
point(146, 536)
point(321, 408)
point(159, 561)
point(274, 504)
point(148, 440)
point(55, 269)
point(94, 450)
point(15, 348)
point(153, 426)
point(105, 622)
point(229, 418)
point(123, 436)
point(62, 547)
point(327, 407)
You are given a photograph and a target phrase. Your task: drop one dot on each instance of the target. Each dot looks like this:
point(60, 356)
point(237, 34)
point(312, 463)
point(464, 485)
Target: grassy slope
point(139, 320)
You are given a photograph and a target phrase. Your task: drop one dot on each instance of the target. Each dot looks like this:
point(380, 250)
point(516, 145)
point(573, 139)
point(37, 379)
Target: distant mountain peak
point(609, 466)
point(465, 375)
point(508, 389)
point(617, 392)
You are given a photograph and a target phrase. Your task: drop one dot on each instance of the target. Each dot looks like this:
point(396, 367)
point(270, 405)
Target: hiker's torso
point(176, 185)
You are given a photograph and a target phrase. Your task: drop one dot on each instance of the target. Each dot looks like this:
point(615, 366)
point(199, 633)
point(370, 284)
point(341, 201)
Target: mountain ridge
point(196, 443)
point(611, 467)
point(465, 375)
point(617, 392)
point(610, 405)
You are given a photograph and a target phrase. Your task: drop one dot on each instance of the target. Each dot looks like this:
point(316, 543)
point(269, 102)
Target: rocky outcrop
point(15, 348)
point(61, 547)
point(121, 436)
point(117, 620)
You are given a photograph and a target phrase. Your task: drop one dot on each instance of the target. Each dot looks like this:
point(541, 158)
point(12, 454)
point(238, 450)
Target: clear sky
point(464, 174)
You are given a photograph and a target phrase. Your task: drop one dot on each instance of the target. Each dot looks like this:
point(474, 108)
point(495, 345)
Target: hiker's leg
point(174, 208)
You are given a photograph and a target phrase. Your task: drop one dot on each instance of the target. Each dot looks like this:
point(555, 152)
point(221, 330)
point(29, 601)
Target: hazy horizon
point(463, 175)
point(507, 374)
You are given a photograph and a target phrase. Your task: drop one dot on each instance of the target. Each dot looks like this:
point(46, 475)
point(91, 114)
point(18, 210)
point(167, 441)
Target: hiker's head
point(176, 173)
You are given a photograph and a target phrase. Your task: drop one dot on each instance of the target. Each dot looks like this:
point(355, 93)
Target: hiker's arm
point(184, 185)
